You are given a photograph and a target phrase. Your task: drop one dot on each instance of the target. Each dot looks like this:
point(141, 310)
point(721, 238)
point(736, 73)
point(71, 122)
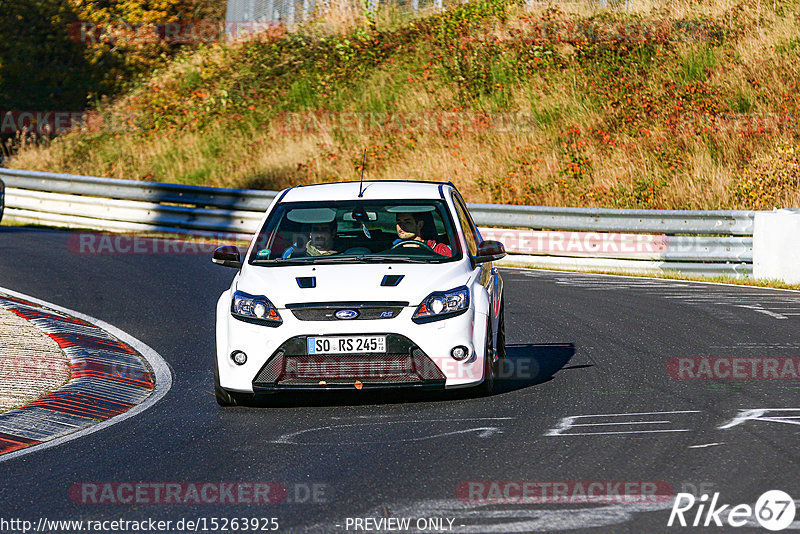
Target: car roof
point(372, 190)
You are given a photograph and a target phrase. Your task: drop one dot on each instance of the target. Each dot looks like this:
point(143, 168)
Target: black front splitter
point(430, 385)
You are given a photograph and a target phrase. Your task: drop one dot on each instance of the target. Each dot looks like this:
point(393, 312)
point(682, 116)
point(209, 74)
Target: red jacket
point(439, 248)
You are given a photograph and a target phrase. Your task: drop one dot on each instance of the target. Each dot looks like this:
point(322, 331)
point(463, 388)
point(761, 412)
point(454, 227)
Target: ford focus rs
point(361, 286)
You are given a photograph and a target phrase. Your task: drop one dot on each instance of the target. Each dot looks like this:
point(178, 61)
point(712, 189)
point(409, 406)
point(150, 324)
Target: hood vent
point(306, 282)
point(391, 280)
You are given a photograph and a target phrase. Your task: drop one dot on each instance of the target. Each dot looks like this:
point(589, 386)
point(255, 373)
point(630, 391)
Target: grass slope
point(689, 104)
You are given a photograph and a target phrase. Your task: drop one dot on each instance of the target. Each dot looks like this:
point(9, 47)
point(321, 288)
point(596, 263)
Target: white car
point(358, 286)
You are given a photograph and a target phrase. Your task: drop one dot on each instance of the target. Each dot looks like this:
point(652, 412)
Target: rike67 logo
point(774, 510)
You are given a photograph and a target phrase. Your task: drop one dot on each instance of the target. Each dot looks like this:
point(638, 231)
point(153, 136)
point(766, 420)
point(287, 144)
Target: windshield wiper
point(397, 259)
point(316, 260)
point(365, 259)
point(281, 261)
point(332, 259)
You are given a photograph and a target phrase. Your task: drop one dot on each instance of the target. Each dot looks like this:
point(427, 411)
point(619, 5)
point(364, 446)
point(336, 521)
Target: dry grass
point(336, 17)
point(746, 83)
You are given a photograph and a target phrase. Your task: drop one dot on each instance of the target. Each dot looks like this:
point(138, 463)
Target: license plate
point(346, 344)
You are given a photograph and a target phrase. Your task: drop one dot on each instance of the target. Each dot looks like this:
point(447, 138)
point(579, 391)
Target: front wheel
point(490, 368)
point(223, 396)
point(501, 333)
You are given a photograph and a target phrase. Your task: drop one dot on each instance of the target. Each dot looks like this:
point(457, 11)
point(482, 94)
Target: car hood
point(351, 282)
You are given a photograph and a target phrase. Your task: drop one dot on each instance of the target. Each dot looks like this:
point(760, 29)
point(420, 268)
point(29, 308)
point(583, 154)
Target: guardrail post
point(776, 246)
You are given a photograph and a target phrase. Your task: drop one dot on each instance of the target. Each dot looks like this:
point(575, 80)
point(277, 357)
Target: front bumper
point(403, 364)
point(417, 356)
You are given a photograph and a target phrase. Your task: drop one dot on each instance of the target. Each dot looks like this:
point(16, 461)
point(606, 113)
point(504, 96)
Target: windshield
point(357, 231)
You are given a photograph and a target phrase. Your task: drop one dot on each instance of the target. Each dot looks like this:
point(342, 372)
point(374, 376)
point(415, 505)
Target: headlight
point(442, 304)
point(254, 309)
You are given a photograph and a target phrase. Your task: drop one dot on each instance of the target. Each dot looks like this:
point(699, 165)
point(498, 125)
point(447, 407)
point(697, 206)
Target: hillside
point(686, 105)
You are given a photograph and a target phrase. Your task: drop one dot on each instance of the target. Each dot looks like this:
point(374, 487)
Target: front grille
point(403, 364)
point(346, 369)
point(326, 311)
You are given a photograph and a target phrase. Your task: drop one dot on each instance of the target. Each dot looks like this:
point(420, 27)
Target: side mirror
point(490, 251)
point(227, 256)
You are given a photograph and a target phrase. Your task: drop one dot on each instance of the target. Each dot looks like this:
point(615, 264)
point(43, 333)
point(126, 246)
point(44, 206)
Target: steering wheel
point(405, 242)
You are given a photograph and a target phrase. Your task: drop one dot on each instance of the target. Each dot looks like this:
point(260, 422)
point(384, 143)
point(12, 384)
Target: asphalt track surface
point(394, 456)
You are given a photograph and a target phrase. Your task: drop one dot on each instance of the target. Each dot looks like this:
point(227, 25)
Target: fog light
point(239, 357)
point(459, 353)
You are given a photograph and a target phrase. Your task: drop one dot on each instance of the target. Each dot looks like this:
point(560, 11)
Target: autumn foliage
point(685, 104)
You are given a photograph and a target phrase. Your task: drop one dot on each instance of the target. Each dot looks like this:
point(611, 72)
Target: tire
point(486, 387)
point(501, 333)
point(224, 398)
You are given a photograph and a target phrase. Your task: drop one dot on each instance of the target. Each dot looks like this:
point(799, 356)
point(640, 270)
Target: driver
point(417, 227)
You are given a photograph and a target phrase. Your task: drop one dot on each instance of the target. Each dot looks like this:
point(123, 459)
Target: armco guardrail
point(616, 220)
point(130, 205)
point(693, 242)
point(216, 197)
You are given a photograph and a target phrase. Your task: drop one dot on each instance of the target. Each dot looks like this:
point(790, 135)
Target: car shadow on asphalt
point(526, 365)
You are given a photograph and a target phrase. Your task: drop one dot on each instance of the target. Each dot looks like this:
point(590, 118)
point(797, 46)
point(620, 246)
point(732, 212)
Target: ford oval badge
point(346, 314)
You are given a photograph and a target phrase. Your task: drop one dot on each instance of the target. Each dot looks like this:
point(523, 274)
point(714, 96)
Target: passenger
point(320, 241)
